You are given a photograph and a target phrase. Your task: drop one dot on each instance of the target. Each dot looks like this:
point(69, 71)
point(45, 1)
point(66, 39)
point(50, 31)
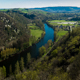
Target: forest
point(20, 29)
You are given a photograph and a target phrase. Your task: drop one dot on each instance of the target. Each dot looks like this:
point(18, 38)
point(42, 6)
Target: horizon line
point(39, 7)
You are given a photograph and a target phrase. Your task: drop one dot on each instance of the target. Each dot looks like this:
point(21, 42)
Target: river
point(48, 36)
point(34, 50)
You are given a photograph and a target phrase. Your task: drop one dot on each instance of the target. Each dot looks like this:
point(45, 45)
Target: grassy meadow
point(63, 23)
point(35, 31)
point(60, 34)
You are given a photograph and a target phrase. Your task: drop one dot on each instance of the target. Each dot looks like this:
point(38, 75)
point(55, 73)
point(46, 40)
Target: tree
point(49, 43)
point(22, 64)
point(42, 50)
point(54, 53)
point(8, 52)
point(28, 58)
point(17, 68)
point(4, 71)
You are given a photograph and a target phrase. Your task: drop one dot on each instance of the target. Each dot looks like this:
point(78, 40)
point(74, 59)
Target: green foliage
point(28, 58)
point(17, 68)
point(32, 40)
point(31, 75)
point(61, 60)
point(74, 41)
point(42, 50)
point(61, 33)
point(54, 53)
point(71, 59)
point(8, 52)
point(2, 72)
point(37, 33)
point(19, 77)
point(25, 45)
point(22, 64)
point(62, 76)
point(49, 43)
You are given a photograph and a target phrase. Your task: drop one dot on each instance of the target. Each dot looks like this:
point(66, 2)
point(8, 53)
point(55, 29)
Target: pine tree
point(17, 68)
point(4, 71)
point(22, 64)
point(28, 58)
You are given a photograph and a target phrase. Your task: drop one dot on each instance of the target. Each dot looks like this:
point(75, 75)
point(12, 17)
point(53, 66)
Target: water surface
point(48, 36)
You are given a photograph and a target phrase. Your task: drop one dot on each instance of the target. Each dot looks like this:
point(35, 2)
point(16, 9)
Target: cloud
point(37, 3)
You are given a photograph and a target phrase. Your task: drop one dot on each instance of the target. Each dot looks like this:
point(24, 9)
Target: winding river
point(34, 50)
point(48, 36)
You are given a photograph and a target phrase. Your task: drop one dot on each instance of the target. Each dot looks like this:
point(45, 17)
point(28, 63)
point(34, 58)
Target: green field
point(35, 31)
point(62, 22)
point(3, 9)
point(60, 34)
point(55, 24)
point(33, 27)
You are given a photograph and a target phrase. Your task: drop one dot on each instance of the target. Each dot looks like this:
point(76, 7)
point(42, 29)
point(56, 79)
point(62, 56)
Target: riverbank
point(59, 30)
point(58, 35)
point(34, 50)
point(36, 34)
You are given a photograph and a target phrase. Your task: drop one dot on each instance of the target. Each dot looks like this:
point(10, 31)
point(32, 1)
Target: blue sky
point(37, 3)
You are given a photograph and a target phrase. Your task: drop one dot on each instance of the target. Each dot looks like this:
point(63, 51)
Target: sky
point(37, 3)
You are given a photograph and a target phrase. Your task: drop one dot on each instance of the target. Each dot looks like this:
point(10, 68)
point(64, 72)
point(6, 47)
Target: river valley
point(34, 50)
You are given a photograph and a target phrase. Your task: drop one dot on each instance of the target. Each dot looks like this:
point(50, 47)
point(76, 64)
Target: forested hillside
point(61, 64)
point(10, 30)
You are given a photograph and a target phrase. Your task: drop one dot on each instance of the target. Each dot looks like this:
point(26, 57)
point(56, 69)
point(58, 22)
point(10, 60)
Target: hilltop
point(59, 9)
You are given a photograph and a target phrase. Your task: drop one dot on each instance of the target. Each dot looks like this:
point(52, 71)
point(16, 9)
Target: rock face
point(10, 29)
point(70, 28)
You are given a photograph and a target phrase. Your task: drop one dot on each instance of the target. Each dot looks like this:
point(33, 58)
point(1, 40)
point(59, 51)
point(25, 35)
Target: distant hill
point(59, 9)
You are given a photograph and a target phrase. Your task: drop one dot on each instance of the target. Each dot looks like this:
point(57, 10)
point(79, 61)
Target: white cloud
point(37, 3)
